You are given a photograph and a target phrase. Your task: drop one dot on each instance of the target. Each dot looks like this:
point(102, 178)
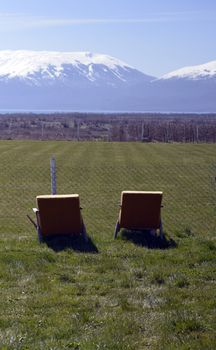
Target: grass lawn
point(122, 294)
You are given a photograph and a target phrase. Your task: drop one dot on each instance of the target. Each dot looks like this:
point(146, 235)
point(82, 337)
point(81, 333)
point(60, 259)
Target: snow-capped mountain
point(42, 67)
point(198, 72)
point(189, 89)
point(67, 81)
point(80, 81)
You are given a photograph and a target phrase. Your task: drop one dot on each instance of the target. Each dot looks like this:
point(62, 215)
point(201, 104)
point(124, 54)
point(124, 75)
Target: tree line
point(152, 127)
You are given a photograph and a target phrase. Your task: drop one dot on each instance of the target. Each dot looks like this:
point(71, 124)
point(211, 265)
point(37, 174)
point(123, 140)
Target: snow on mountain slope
point(38, 67)
point(31, 80)
point(203, 71)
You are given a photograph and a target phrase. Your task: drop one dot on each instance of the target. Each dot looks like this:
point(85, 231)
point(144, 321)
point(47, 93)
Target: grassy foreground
point(123, 294)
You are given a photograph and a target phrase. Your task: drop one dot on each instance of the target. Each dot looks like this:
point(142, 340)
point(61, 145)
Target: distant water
point(51, 111)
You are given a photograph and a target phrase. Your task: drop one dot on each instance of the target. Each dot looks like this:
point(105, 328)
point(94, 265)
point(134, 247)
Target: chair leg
point(153, 232)
point(40, 236)
point(117, 229)
point(161, 230)
point(36, 225)
point(32, 221)
point(84, 234)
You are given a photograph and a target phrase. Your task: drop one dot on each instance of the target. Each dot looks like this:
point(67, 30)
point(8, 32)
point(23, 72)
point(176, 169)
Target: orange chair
point(140, 210)
point(59, 215)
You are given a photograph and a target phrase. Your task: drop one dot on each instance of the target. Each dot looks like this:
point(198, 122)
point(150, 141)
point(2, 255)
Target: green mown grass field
point(136, 292)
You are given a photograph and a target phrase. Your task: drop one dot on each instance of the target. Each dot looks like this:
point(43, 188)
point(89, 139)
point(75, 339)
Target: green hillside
point(131, 293)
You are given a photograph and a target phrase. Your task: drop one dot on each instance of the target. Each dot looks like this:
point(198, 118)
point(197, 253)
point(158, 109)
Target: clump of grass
point(189, 232)
point(182, 282)
point(73, 345)
point(124, 304)
point(179, 280)
point(185, 330)
point(126, 281)
point(158, 278)
point(47, 257)
point(185, 324)
point(138, 274)
point(64, 278)
point(211, 245)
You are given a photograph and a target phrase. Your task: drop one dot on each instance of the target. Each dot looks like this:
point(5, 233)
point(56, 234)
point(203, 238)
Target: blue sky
point(155, 36)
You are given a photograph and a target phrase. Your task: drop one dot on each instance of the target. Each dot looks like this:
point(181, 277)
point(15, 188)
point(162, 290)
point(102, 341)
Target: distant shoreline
point(104, 113)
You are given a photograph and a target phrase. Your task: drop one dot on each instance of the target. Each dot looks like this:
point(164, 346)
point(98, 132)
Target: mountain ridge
point(195, 72)
point(53, 65)
point(88, 81)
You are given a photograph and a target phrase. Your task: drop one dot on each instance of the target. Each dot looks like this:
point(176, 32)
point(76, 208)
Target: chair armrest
point(36, 211)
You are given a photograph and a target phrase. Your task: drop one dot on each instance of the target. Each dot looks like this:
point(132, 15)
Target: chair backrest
point(59, 214)
point(140, 210)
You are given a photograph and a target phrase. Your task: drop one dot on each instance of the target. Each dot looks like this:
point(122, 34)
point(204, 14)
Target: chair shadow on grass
point(71, 242)
point(146, 239)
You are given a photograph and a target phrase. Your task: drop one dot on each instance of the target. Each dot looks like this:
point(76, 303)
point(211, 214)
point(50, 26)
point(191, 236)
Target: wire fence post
point(142, 132)
point(53, 175)
point(78, 130)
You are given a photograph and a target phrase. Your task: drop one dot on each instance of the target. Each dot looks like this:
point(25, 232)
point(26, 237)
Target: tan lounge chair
point(59, 215)
point(140, 211)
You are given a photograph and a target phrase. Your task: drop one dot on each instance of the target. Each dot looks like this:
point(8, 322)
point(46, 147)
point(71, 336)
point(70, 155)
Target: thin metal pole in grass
point(53, 175)
point(78, 129)
point(142, 131)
